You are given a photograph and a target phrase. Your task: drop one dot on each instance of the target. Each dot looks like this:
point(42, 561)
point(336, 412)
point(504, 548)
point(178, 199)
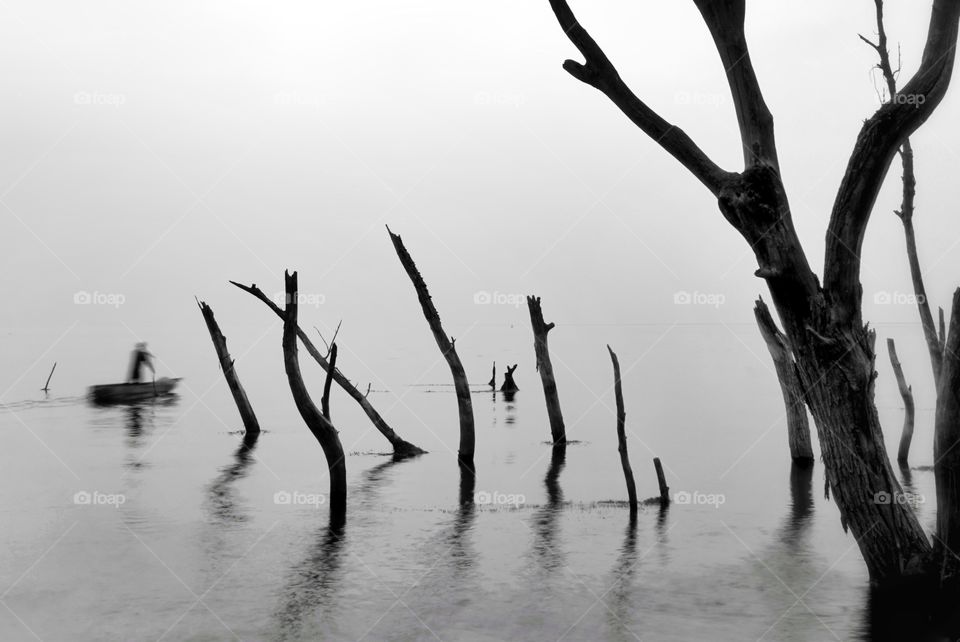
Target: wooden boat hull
point(118, 393)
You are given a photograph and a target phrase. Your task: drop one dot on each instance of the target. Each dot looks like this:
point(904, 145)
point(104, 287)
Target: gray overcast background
point(156, 150)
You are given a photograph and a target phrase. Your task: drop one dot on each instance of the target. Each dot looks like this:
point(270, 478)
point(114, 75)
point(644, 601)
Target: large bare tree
point(833, 349)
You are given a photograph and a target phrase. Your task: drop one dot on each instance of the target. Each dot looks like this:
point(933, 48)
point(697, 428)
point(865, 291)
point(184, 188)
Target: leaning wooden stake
point(250, 423)
point(540, 330)
point(493, 377)
point(622, 433)
point(321, 428)
point(447, 349)
point(325, 400)
point(798, 425)
point(46, 386)
point(662, 482)
point(907, 393)
point(400, 446)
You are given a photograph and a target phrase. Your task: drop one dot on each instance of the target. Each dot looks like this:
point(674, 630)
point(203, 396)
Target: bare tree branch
point(599, 72)
point(725, 21)
point(879, 139)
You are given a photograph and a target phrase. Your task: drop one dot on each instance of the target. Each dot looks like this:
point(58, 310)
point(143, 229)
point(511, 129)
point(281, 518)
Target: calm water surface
point(187, 534)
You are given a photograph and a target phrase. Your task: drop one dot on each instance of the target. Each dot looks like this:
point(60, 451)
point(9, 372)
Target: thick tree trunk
point(509, 385)
point(622, 434)
point(545, 368)
point(798, 425)
point(447, 349)
point(322, 429)
point(835, 361)
point(401, 447)
point(903, 453)
point(946, 452)
point(834, 351)
point(250, 423)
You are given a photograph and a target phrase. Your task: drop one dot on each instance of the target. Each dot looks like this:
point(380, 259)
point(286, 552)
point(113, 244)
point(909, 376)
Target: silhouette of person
point(139, 359)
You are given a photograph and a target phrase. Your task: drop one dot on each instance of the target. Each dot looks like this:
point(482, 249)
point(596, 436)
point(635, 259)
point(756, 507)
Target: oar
point(46, 386)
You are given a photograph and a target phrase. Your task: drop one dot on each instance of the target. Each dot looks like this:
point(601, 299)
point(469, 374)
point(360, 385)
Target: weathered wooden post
point(321, 428)
point(622, 433)
point(545, 368)
point(662, 482)
point(447, 349)
point(250, 423)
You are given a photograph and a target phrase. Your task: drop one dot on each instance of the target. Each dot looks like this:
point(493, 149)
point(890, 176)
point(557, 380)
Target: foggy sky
point(157, 150)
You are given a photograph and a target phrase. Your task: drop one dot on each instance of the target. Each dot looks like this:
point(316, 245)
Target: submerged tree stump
point(661, 482)
point(545, 368)
point(250, 423)
point(447, 349)
point(906, 392)
point(321, 428)
point(946, 452)
point(509, 385)
point(401, 447)
point(622, 434)
point(798, 424)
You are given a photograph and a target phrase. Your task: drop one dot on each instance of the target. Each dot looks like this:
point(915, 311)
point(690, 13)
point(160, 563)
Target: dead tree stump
point(909, 407)
point(447, 349)
point(946, 452)
point(401, 447)
point(509, 385)
point(321, 428)
point(545, 368)
point(622, 434)
point(250, 423)
point(798, 425)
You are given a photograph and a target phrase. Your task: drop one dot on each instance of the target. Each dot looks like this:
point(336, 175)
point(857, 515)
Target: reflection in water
point(510, 406)
point(621, 603)
point(313, 583)
point(915, 611)
point(220, 493)
point(134, 426)
point(547, 553)
point(798, 521)
point(460, 549)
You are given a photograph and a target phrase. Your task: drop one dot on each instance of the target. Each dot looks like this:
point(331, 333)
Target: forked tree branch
point(598, 72)
point(879, 139)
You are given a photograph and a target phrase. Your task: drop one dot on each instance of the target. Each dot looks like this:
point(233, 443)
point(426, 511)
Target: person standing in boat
point(139, 359)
